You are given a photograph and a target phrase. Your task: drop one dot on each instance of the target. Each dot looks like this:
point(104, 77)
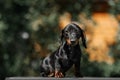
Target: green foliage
point(17, 35)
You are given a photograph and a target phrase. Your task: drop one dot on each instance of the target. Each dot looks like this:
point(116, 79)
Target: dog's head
point(72, 33)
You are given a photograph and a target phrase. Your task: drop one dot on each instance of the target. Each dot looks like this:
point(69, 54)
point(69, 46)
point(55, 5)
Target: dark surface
point(41, 78)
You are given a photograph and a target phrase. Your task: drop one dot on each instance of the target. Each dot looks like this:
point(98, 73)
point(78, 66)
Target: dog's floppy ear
point(83, 38)
point(61, 36)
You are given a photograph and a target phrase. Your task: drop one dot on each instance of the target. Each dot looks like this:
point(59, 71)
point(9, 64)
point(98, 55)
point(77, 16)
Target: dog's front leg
point(77, 69)
point(58, 73)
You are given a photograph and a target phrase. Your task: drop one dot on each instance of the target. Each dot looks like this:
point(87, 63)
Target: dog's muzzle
point(73, 39)
point(73, 42)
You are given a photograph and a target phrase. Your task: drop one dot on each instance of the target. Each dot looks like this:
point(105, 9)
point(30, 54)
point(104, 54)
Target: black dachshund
point(67, 55)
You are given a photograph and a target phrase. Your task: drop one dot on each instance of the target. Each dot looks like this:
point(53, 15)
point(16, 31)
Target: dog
point(67, 55)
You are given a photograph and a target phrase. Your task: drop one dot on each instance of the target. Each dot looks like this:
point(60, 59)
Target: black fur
point(66, 55)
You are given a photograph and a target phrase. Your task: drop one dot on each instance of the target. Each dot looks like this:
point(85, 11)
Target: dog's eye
point(66, 31)
point(77, 32)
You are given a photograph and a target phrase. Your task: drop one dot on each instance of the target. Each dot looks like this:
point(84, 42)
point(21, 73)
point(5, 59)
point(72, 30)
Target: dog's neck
point(70, 50)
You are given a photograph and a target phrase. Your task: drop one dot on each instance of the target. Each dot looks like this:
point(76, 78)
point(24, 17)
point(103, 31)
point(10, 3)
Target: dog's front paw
point(58, 74)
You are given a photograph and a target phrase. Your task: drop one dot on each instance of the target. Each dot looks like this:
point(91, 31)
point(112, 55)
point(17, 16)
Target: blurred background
point(30, 29)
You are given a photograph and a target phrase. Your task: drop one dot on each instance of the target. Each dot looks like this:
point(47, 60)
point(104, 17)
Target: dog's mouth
point(72, 42)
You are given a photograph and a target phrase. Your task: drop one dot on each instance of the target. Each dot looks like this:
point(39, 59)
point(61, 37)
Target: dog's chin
point(74, 44)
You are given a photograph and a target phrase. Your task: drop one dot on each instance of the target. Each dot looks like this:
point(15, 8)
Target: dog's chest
point(66, 63)
point(69, 60)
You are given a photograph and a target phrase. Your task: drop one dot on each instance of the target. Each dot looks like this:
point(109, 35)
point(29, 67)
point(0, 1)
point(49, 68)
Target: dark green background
point(16, 52)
